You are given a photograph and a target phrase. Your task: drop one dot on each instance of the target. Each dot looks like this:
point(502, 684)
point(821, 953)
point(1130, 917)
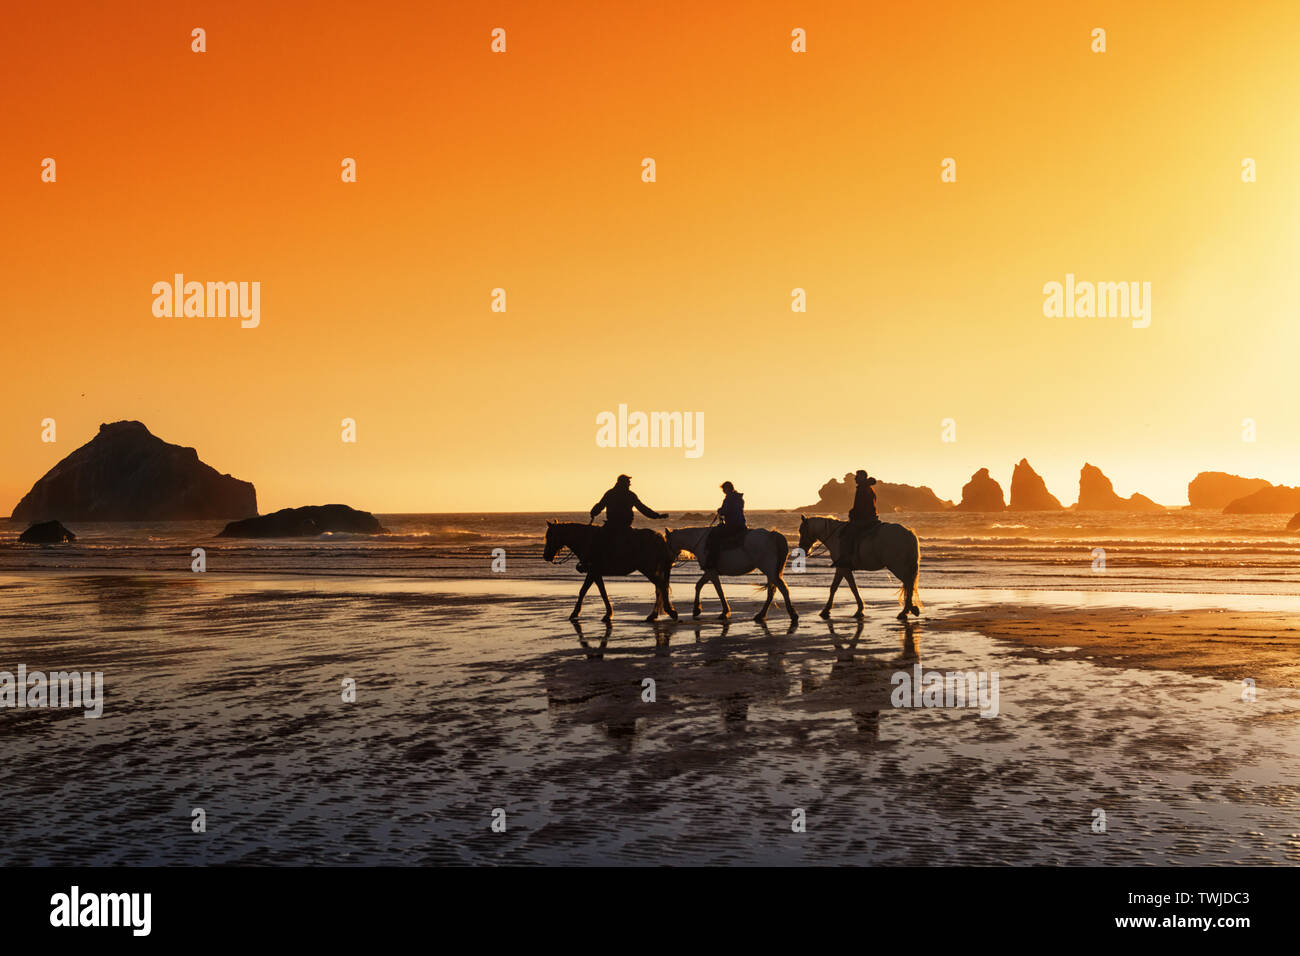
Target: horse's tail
point(911, 577)
point(779, 538)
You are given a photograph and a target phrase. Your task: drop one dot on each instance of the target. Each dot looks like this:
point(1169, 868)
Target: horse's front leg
point(830, 598)
point(659, 601)
point(668, 599)
point(609, 609)
point(722, 598)
point(661, 598)
point(853, 586)
point(582, 593)
point(699, 586)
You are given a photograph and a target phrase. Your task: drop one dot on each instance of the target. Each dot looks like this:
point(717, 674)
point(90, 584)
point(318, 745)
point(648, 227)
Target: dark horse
point(642, 550)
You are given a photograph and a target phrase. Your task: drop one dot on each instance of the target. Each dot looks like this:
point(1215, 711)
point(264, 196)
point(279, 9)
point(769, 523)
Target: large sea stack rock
point(46, 532)
point(1029, 491)
point(836, 497)
point(1216, 489)
point(982, 493)
point(304, 522)
point(125, 473)
point(1275, 499)
point(1294, 523)
point(1096, 493)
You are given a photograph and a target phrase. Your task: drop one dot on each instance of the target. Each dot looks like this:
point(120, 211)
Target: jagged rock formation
point(125, 473)
point(305, 521)
point(836, 497)
point(1275, 499)
point(46, 532)
point(1096, 493)
point(1029, 491)
point(1217, 489)
point(1294, 523)
point(982, 493)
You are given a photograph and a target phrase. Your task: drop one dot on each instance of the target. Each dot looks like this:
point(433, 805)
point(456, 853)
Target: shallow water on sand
point(223, 693)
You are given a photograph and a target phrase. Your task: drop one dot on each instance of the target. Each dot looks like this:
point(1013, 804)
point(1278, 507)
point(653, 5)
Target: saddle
point(722, 538)
point(613, 551)
point(855, 532)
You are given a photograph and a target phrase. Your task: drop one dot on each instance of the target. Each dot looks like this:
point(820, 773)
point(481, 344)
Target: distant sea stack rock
point(1217, 489)
point(836, 497)
point(46, 532)
point(1294, 523)
point(1275, 499)
point(1096, 493)
point(125, 473)
point(1029, 491)
point(304, 522)
point(982, 493)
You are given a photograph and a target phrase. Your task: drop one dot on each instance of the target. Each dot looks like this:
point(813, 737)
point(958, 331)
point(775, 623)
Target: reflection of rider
point(617, 503)
point(731, 531)
point(863, 517)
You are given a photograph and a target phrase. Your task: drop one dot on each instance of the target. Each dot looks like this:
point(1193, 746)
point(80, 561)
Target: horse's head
point(674, 540)
point(807, 537)
point(554, 541)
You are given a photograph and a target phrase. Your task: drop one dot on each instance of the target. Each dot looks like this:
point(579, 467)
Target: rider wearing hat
point(617, 503)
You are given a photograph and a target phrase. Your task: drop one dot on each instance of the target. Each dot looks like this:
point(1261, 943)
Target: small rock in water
point(47, 532)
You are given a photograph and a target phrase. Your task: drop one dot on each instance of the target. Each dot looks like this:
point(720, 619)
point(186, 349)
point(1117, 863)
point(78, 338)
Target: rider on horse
point(617, 503)
point(863, 517)
point(732, 530)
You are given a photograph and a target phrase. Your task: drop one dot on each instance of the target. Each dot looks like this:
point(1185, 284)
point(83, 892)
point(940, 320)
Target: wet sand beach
point(223, 692)
point(1236, 644)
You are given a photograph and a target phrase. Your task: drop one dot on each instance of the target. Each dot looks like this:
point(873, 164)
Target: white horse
point(890, 546)
point(762, 549)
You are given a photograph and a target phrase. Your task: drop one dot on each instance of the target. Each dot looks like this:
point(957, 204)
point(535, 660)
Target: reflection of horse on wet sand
point(634, 550)
point(862, 685)
point(605, 692)
point(760, 549)
point(889, 546)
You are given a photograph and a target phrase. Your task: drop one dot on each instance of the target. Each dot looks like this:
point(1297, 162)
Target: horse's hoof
point(725, 615)
point(825, 614)
point(695, 612)
point(902, 615)
point(916, 610)
point(573, 616)
point(793, 617)
point(607, 618)
point(760, 618)
point(859, 615)
point(672, 614)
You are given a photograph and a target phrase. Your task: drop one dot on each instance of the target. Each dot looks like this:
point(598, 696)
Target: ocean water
point(1183, 551)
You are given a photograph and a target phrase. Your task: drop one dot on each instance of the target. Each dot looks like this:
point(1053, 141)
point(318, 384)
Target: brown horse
point(641, 550)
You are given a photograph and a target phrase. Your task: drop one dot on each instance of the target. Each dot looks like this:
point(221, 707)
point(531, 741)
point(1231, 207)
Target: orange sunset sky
point(775, 170)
